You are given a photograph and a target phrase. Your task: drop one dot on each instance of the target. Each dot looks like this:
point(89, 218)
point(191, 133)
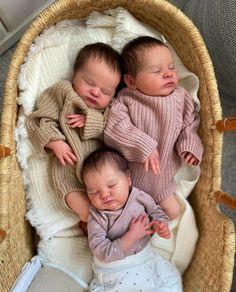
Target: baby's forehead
point(100, 166)
point(153, 53)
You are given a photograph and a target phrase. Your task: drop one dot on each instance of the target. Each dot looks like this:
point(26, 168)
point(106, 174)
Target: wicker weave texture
point(212, 264)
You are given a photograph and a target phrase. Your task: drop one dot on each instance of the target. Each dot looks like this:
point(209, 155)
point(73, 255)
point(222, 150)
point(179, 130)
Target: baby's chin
point(167, 91)
point(111, 207)
point(163, 92)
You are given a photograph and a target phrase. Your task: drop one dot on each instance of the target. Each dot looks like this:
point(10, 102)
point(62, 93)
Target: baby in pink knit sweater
point(153, 122)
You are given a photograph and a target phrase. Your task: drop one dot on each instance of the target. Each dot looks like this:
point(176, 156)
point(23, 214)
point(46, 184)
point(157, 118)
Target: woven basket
point(212, 265)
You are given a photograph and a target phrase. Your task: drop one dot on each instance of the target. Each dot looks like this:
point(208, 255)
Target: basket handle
point(226, 199)
point(4, 151)
point(226, 124)
point(2, 235)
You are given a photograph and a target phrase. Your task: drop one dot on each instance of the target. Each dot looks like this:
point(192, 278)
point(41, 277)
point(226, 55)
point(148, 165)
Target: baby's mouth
point(168, 84)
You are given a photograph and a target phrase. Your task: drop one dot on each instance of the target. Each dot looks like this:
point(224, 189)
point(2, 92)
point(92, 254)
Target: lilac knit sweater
point(105, 227)
point(138, 124)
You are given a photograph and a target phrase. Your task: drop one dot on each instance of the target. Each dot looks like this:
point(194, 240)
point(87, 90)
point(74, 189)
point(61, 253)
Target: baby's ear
point(129, 81)
point(129, 178)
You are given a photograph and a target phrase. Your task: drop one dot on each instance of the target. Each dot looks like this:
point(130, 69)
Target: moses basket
point(211, 267)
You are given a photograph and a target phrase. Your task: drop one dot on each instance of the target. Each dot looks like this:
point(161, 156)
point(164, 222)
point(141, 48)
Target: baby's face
point(108, 188)
point(96, 83)
point(157, 75)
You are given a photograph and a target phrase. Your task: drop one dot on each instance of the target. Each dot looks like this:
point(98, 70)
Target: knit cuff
point(64, 178)
point(167, 191)
point(135, 146)
point(145, 146)
point(94, 125)
point(193, 146)
point(42, 137)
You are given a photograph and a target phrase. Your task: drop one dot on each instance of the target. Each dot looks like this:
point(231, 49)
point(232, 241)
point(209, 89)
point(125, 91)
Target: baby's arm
point(153, 161)
point(101, 246)
point(161, 228)
point(159, 219)
point(189, 143)
point(138, 228)
point(121, 133)
point(43, 124)
point(107, 250)
point(75, 120)
point(91, 123)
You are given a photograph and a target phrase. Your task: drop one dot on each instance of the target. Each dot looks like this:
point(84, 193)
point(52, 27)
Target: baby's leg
point(169, 277)
point(79, 203)
point(171, 207)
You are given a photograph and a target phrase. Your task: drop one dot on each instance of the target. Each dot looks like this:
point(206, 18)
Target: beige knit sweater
point(48, 122)
point(137, 124)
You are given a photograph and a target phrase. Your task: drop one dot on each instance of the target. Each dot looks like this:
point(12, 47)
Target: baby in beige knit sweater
point(70, 118)
point(153, 122)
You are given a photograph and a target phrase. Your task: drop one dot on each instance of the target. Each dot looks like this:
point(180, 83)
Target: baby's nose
point(168, 73)
point(105, 195)
point(95, 91)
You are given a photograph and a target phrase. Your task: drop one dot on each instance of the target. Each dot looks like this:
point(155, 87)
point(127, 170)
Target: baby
point(153, 122)
point(70, 118)
point(121, 220)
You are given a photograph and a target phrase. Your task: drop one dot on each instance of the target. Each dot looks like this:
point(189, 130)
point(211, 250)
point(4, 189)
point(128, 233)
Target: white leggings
point(144, 271)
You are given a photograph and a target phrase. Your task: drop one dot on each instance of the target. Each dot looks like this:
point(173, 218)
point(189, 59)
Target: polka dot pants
point(144, 272)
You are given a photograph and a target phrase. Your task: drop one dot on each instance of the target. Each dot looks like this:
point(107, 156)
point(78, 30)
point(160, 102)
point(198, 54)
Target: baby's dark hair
point(99, 157)
point(100, 51)
point(131, 54)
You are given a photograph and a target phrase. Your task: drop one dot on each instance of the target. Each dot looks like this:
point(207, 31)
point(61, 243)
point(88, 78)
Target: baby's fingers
point(78, 124)
point(155, 165)
point(62, 161)
point(150, 231)
point(165, 234)
point(70, 158)
point(146, 165)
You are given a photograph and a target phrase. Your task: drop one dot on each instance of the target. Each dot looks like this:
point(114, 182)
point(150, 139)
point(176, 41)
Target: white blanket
point(51, 58)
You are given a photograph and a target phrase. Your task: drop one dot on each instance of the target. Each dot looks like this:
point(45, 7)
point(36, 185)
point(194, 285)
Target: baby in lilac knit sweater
point(121, 220)
point(153, 122)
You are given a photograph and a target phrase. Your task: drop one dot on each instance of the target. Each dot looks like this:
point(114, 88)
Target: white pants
point(144, 271)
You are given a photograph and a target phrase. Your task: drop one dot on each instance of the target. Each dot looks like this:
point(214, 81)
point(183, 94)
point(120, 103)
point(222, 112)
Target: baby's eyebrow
point(153, 66)
point(92, 191)
point(107, 90)
point(113, 181)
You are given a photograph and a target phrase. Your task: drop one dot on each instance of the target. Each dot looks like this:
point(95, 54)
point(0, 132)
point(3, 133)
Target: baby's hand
point(189, 158)
point(161, 228)
point(153, 161)
point(140, 227)
point(62, 151)
point(75, 121)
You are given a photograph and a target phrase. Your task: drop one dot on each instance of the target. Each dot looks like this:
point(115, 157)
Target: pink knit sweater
point(138, 124)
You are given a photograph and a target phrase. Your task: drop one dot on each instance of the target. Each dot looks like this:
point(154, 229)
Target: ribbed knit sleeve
point(94, 124)
point(121, 134)
point(42, 125)
point(188, 139)
point(64, 178)
point(101, 246)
